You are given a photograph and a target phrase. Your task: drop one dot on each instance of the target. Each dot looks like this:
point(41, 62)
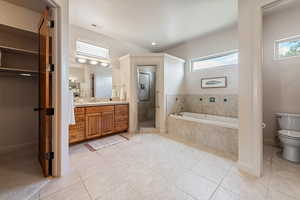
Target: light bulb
point(81, 60)
point(103, 64)
point(93, 62)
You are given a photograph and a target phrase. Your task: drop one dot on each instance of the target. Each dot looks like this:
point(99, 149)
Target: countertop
point(104, 103)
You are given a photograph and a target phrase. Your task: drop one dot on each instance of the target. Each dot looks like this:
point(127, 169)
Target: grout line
point(85, 187)
point(220, 183)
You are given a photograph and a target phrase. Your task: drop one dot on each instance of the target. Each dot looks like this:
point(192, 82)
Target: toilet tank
point(288, 121)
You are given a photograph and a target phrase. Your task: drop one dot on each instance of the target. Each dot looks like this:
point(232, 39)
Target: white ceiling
point(166, 22)
point(280, 5)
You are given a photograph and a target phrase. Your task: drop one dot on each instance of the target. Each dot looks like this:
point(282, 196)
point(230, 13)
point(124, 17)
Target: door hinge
point(50, 111)
point(51, 23)
point(51, 68)
point(49, 156)
point(37, 109)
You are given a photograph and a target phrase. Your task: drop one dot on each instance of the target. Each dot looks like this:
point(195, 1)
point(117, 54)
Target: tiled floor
point(147, 124)
point(152, 167)
point(20, 174)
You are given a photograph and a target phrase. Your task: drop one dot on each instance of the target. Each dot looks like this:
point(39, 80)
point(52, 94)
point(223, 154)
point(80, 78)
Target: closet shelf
point(18, 50)
point(18, 70)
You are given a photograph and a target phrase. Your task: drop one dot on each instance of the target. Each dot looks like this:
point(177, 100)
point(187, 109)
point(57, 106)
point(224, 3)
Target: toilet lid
point(295, 134)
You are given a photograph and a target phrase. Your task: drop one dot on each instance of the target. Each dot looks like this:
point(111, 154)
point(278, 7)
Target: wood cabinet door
point(107, 122)
point(93, 125)
point(45, 95)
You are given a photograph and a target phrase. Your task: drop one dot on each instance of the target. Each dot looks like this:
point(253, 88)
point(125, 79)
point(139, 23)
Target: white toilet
point(289, 135)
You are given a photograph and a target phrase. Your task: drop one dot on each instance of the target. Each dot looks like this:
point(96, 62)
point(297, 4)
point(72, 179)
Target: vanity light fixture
point(103, 64)
point(81, 60)
point(93, 62)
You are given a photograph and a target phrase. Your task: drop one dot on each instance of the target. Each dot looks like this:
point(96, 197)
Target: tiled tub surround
point(223, 105)
point(217, 133)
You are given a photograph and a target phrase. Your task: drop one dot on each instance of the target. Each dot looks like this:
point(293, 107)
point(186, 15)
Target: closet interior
point(19, 121)
point(19, 85)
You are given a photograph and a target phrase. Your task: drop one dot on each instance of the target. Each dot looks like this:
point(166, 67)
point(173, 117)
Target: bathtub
point(217, 133)
point(226, 122)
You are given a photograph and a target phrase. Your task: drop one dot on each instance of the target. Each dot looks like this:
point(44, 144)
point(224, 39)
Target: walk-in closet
point(19, 85)
point(22, 71)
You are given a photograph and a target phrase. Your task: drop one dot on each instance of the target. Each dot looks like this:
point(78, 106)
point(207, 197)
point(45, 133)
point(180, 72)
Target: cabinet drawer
point(79, 111)
point(79, 118)
point(98, 109)
point(122, 108)
point(77, 126)
point(77, 132)
point(121, 126)
point(76, 136)
point(121, 115)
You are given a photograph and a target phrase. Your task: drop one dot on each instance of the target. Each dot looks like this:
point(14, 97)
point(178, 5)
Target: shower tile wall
point(175, 103)
point(223, 105)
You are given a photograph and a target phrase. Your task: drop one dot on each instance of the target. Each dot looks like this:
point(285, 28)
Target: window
point(287, 48)
point(224, 59)
point(90, 50)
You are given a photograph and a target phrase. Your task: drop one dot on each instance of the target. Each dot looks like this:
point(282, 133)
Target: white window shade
point(85, 49)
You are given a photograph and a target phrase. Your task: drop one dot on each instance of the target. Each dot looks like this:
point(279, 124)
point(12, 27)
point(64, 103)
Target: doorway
point(26, 109)
point(280, 69)
point(146, 77)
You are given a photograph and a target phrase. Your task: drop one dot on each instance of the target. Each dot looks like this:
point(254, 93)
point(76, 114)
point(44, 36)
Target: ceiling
point(280, 5)
point(166, 22)
point(35, 5)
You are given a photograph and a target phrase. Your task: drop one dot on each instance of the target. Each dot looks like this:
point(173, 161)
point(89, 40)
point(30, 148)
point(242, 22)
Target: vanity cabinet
point(97, 121)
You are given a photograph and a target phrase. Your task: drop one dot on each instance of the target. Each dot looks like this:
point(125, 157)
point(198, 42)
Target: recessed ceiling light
point(103, 64)
point(81, 60)
point(24, 74)
point(153, 43)
point(93, 62)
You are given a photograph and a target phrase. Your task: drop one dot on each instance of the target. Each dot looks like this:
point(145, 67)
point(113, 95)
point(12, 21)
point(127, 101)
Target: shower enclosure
point(146, 96)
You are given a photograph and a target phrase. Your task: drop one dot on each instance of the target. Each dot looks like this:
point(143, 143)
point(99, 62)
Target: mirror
point(87, 81)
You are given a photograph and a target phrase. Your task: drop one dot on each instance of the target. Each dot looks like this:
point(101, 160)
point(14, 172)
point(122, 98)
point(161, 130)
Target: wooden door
point(93, 125)
point(107, 122)
point(45, 95)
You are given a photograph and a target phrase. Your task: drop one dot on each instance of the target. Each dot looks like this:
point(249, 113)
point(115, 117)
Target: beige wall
point(281, 82)
point(280, 77)
point(18, 17)
point(174, 75)
point(116, 48)
point(214, 43)
point(18, 121)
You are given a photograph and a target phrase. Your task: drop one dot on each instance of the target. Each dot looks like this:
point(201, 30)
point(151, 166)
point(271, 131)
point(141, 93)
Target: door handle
point(263, 125)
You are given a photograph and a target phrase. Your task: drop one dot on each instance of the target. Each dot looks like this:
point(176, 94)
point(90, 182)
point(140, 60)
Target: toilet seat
point(287, 133)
